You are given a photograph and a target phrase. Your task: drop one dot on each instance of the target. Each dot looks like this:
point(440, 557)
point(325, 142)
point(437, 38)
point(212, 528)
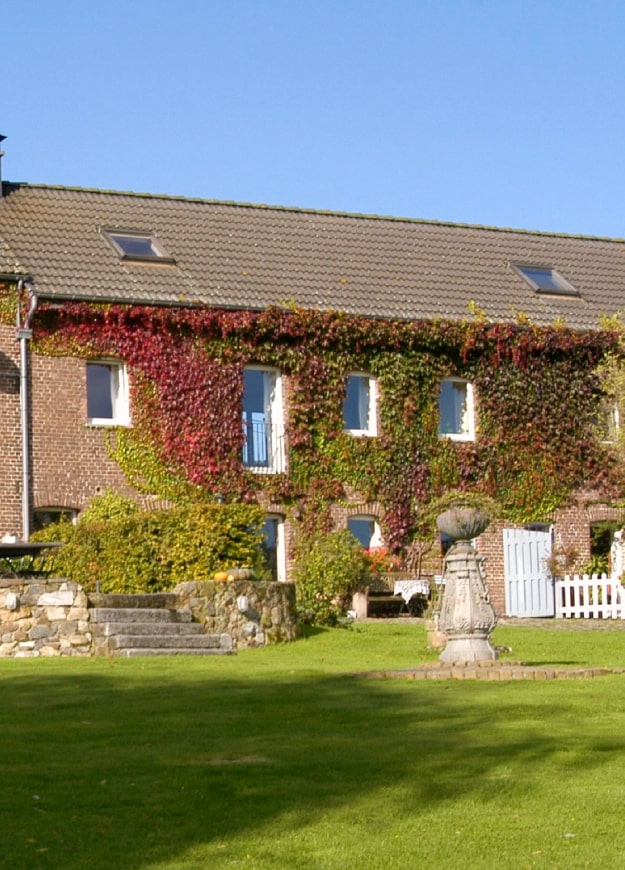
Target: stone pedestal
point(466, 617)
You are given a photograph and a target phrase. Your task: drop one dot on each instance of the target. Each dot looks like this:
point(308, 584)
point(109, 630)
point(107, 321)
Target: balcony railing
point(264, 448)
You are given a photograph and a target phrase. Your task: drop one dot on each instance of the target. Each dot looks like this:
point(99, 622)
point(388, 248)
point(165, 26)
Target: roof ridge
point(8, 185)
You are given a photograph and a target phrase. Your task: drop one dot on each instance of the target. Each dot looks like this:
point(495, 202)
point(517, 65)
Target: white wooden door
point(529, 586)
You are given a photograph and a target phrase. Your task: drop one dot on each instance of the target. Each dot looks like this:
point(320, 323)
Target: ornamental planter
point(463, 523)
point(467, 616)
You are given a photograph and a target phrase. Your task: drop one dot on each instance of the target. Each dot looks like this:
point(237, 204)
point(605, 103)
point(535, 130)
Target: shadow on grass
point(133, 767)
point(549, 663)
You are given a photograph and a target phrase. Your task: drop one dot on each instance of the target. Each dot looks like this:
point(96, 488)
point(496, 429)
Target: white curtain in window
point(363, 403)
point(460, 404)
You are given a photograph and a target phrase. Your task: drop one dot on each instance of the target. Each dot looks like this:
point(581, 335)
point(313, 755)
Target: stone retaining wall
point(252, 612)
point(43, 617)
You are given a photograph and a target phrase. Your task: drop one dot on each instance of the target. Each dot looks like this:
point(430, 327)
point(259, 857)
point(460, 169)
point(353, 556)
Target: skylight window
point(137, 245)
point(545, 280)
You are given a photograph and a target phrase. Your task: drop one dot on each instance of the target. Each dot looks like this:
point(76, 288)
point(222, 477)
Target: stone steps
point(163, 642)
point(162, 629)
point(150, 615)
point(150, 625)
point(139, 601)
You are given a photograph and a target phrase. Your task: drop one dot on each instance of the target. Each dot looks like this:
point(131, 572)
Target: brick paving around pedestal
point(490, 670)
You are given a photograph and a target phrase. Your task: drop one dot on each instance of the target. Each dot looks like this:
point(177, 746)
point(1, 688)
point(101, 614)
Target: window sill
point(102, 423)
point(360, 433)
point(450, 436)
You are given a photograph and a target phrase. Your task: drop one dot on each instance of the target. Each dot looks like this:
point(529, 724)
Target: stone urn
point(462, 523)
point(466, 617)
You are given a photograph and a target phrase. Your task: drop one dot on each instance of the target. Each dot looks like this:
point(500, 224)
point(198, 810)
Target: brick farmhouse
point(79, 267)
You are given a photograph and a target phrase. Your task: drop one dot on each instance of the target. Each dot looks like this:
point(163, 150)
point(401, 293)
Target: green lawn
point(277, 758)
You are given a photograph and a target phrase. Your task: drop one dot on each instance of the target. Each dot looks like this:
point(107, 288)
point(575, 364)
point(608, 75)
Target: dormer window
point(137, 245)
point(546, 280)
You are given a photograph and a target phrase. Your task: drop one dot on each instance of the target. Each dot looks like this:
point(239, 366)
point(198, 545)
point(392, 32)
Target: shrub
point(109, 506)
point(328, 569)
point(136, 551)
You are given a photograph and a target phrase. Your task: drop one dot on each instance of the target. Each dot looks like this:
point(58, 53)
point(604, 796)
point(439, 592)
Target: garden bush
point(123, 549)
point(328, 570)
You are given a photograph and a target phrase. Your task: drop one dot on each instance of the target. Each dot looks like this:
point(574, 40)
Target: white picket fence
point(586, 597)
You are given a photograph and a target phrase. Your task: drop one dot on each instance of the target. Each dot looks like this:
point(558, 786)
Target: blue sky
point(497, 112)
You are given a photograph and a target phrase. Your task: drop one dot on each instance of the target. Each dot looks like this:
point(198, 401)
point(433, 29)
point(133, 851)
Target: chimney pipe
point(2, 138)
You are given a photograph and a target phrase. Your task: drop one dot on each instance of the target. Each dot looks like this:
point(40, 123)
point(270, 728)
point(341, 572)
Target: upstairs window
point(456, 412)
point(359, 405)
point(137, 245)
point(263, 424)
point(608, 421)
point(107, 394)
point(611, 422)
point(545, 280)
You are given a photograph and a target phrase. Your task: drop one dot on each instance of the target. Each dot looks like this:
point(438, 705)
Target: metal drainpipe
point(24, 334)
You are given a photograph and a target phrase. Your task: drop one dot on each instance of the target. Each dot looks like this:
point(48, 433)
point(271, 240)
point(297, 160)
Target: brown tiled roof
point(249, 256)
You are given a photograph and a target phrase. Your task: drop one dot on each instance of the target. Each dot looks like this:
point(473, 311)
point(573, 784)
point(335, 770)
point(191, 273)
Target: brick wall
point(69, 459)
point(490, 545)
point(70, 462)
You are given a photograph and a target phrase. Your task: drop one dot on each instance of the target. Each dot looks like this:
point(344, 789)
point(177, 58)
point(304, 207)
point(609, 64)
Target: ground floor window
point(45, 516)
point(366, 530)
point(274, 547)
point(605, 542)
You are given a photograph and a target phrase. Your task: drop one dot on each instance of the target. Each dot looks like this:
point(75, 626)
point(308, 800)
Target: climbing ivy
point(536, 388)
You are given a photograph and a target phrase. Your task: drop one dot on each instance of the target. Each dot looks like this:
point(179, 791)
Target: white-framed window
point(274, 546)
point(360, 405)
point(609, 423)
point(107, 394)
point(263, 420)
point(456, 410)
point(366, 530)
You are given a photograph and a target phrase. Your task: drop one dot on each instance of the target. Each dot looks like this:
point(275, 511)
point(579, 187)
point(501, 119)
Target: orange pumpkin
point(220, 576)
